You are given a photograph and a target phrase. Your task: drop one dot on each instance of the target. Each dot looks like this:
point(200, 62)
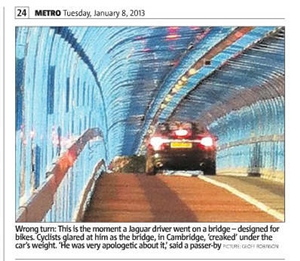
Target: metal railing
point(62, 197)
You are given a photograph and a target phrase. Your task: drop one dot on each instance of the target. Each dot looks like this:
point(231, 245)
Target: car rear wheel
point(150, 168)
point(210, 168)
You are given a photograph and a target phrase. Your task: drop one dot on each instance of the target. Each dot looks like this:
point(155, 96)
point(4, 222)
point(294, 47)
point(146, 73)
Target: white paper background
point(205, 13)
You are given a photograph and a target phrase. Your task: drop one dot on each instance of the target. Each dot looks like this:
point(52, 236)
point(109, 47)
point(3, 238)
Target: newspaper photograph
point(148, 131)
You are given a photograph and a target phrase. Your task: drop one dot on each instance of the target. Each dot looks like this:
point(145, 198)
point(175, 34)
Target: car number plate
point(180, 145)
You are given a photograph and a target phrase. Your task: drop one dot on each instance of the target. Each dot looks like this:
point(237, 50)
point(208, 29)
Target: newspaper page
point(149, 130)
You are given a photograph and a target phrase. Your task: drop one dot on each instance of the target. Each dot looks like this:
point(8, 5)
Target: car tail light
point(207, 141)
point(156, 142)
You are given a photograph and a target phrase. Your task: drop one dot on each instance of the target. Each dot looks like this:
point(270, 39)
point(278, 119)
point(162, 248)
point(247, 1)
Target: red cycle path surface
point(162, 198)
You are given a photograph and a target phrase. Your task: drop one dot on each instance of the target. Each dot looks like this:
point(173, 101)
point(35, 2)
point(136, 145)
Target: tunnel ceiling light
point(177, 87)
point(180, 82)
point(174, 90)
point(173, 37)
point(184, 78)
point(192, 71)
point(168, 98)
point(195, 27)
point(173, 33)
point(163, 106)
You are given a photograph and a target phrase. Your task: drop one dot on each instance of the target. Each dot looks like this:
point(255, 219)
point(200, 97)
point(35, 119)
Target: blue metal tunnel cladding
point(124, 80)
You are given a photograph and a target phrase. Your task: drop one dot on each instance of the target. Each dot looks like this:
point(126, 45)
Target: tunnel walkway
point(162, 198)
point(269, 192)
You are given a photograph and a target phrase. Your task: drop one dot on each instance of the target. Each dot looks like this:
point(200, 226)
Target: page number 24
point(21, 12)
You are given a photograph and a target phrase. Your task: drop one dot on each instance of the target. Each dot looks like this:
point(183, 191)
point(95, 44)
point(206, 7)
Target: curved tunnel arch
point(125, 79)
point(245, 116)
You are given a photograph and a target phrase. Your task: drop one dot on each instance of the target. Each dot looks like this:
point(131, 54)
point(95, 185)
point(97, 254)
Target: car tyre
point(150, 169)
point(210, 168)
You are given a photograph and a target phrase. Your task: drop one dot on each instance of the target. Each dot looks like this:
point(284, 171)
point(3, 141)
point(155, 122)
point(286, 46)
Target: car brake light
point(181, 132)
point(207, 141)
point(156, 142)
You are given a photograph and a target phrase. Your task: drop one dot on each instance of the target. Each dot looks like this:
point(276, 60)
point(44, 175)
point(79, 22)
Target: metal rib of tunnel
point(125, 80)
